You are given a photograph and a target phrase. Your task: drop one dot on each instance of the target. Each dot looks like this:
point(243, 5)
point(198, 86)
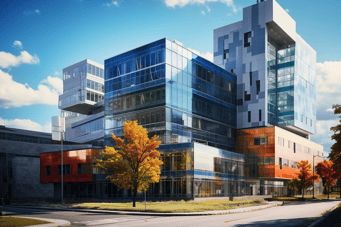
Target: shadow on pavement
point(309, 202)
point(302, 222)
point(11, 211)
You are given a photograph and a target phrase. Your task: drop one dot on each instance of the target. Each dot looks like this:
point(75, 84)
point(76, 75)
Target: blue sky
point(40, 38)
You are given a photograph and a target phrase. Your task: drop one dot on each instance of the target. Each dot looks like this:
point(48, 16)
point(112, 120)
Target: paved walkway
point(215, 212)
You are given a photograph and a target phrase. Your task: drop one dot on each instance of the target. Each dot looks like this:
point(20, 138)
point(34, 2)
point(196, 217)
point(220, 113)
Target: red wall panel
point(69, 157)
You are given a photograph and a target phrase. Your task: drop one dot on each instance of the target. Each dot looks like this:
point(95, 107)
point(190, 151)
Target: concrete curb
point(217, 212)
point(324, 217)
point(55, 222)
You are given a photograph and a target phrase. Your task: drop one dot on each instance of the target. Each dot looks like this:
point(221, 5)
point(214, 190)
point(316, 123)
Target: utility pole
point(61, 151)
point(313, 176)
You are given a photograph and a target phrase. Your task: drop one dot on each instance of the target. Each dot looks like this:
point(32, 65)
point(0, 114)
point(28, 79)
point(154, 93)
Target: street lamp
point(313, 176)
point(61, 171)
point(58, 129)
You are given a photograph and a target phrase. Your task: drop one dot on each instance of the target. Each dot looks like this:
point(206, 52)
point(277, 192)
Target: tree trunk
point(340, 186)
point(303, 193)
point(134, 195)
point(328, 192)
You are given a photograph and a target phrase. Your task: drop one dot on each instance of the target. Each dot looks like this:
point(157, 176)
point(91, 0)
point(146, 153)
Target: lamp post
point(313, 176)
point(61, 173)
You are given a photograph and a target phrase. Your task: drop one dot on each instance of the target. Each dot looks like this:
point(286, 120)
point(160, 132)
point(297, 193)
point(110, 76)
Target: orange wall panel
point(69, 157)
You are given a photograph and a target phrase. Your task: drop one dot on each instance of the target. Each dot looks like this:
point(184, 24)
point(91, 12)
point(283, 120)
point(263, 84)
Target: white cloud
point(207, 55)
point(30, 12)
point(181, 3)
point(110, 4)
point(54, 82)
point(287, 10)
point(208, 9)
point(323, 133)
point(17, 44)
point(8, 60)
point(14, 94)
point(202, 12)
point(328, 83)
point(26, 124)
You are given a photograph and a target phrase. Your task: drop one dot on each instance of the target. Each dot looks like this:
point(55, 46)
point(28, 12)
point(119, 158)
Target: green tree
point(335, 154)
point(135, 163)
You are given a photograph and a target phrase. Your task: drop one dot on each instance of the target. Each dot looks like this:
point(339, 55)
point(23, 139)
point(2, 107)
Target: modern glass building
point(275, 68)
point(82, 102)
point(187, 101)
point(276, 90)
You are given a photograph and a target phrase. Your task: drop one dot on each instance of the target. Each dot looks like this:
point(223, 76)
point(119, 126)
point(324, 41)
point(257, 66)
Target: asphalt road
point(290, 214)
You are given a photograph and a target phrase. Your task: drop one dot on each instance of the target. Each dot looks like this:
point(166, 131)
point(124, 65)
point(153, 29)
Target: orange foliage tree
point(328, 174)
point(135, 163)
point(305, 175)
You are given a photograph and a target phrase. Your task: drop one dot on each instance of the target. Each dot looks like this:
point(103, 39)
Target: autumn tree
point(294, 185)
point(134, 162)
point(305, 175)
point(328, 174)
point(335, 154)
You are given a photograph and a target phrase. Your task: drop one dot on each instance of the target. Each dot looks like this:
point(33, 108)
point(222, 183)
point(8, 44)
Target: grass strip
point(15, 221)
point(162, 207)
point(173, 207)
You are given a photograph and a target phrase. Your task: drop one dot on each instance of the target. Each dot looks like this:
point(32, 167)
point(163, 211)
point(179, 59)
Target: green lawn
point(14, 221)
point(174, 207)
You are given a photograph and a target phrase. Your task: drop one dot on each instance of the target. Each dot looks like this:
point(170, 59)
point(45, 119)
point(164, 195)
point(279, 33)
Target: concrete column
point(160, 184)
point(188, 188)
point(172, 163)
point(172, 188)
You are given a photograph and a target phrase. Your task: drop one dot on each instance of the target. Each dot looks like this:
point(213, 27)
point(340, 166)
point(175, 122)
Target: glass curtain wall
point(200, 97)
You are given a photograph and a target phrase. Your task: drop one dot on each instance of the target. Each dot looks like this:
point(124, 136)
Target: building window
point(280, 163)
point(66, 169)
point(293, 165)
point(260, 115)
point(226, 54)
point(247, 35)
point(250, 78)
point(247, 97)
point(48, 170)
point(266, 160)
point(261, 140)
point(240, 102)
point(79, 168)
point(281, 141)
point(258, 86)
point(249, 116)
point(294, 147)
point(285, 162)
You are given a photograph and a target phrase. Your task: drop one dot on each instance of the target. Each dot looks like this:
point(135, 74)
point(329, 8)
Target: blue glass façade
point(199, 96)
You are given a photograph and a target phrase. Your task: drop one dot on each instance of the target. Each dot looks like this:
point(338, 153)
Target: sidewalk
point(332, 218)
point(216, 212)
